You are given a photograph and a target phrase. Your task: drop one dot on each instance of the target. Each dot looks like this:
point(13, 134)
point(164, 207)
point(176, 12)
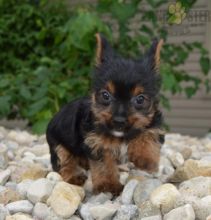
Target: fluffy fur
point(122, 109)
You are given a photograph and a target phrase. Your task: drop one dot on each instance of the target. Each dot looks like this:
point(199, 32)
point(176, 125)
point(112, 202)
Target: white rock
point(100, 198)
point(23, 187)
point(202, 208)
point(41, 211)
point(127, 194)
point(177, 159)
point(182, 213)
point(164, 197)
point(65, 199)
point(85, 211)
point(40, 190)
point(198, 186)
point(20, 206)
point(53, 176)
point(4, 176)
point(3, 212)
point(103, 212)
point(123, 177)
point(18, 217)
point(155, 217)
point(11, 185)
point(126, 212)
point(3, 156)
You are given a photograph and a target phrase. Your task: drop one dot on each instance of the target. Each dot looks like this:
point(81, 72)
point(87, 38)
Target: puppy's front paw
point(148, 164)
point(114, 188)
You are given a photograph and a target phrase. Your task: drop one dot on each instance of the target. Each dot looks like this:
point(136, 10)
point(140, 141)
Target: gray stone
point(3, 212)
point(40, 190)
point(103, 212)
point(165, 197)
point(148, 209)
point(41, 211)
point(85, 211)
point(11, 185)
point(4, 176)
point(127, 194)
point(126, 212)
point(100, 198)
point(177, 159)
point(53, 176)
point(3, 156)
point(144, 189)
point(154, 217)
point(23, 206)
point(202, 208)
point(182, 213)
point(198, 186)
point(23, 187)
point(123, 177)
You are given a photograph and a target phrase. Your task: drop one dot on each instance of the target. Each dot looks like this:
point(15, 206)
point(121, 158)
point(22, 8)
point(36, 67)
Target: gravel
point(29, 189)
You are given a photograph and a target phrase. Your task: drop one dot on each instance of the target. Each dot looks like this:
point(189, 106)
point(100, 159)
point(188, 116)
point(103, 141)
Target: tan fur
point(105, 175)
point(138, 120)
point(110, 87)
point(71, 166)
point(137, 90)
point(157, 54)
point(99, 49)
point(144, 150)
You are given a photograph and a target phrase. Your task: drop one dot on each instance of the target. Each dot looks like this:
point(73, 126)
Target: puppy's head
point(125, 91)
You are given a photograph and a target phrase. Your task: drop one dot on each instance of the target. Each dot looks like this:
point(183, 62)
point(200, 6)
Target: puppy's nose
point(119, 121)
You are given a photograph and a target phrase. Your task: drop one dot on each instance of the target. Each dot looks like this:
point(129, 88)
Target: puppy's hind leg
point(69, 166)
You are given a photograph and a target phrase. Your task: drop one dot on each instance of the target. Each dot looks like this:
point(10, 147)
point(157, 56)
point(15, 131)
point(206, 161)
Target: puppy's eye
point(139, 101)
point(106, 96)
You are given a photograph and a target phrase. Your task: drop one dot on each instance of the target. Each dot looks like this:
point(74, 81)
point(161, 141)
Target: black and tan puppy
point(122, 109)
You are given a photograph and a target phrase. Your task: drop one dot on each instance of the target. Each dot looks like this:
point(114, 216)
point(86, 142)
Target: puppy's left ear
point(104, 51)
point(153, 55)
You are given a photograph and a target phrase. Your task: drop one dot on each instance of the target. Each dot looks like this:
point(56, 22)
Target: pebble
point(126, 212)
point(155, 217)
point(53, 176)
point(164, 197)
point(23, 186)
point(41, 211)
point(65, 199)
point(192, 168)
point(202, 208)
point(8, 195)
point(85, 211)
point(144, 189)
point(198, 186)
point(182, 213)
point(3, 156)
point(148, 209)
point(100, 198)
point(20, 206)
point(31, 190)
point(39, 190)
point(103, 212)
point(4, 176)
point(18, 217)
point(177, 159)
point(3, 212)
point(127, 194)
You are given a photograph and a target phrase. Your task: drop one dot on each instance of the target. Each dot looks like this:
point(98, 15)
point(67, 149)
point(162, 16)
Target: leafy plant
point(46, 52)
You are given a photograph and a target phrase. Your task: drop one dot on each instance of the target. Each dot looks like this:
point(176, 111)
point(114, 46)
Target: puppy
point(122, 109)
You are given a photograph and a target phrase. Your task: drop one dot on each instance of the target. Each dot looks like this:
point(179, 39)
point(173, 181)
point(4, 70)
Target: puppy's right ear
point(104, 51)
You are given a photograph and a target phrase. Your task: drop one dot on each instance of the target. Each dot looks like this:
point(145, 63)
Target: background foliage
point(47, 50)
